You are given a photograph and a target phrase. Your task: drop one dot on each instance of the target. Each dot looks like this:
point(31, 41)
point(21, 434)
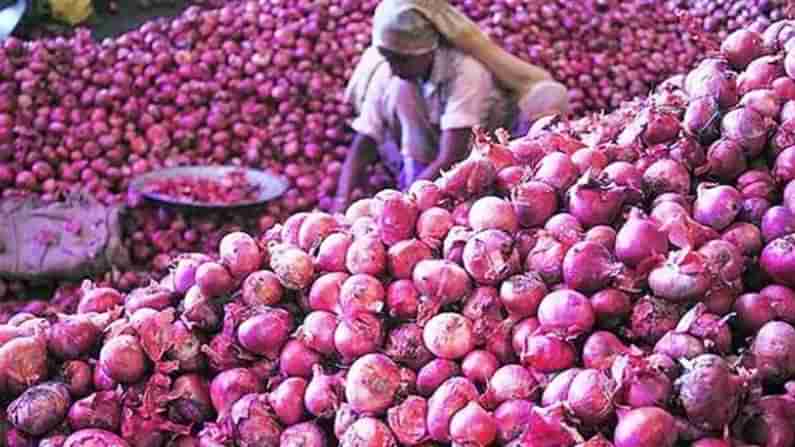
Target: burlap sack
point(76, 238)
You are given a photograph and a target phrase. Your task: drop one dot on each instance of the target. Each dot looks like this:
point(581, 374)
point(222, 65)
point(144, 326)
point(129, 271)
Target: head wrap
point(403, 30)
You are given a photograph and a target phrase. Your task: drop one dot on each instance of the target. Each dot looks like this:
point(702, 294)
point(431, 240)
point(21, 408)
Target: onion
point(453, 395)
point(405, 345)
point(325, 291)
point(317, 331)
point(323, 393)
point(305, 434)
point(449, 336)
point(123, 359)
point(433, 226)
point(490, 257)
point(402, 299)
point(716, 206)
point(331, 253)
point(594, 203)
point(407, 420)
point(40, 408)
point(741, 47)
point(546, 258)
point(547, 353)
point(773, 352)
point(512, 417)
point(601, 349)
point(521, 294)
point(425, 194)
point(283, 399)
point(434, 374)
point(588, 267)
point(493, 213)
point(240, 254)
point(296, 360)
point(314, 229)
point(367, 431)
point(213, 279)
point(556, 170)
point(683, 276)
point(778, 260)
point(666, 176)
point(371, 383)
point(404, 255)
point(231, 385)
point(292, 266)
point(472, 425)
point(366, 255)
point(566, 311)
point(262, 288)
point(266, 332)
point(508, 383)
point(361, 293)
point(590, 397)
point(396, 216)
point(709, 393)
point(363, 335)
point(534, 202)
point(645, 427)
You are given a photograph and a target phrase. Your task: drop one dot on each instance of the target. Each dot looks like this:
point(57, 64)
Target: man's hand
point(362, 153)
point(453, 147)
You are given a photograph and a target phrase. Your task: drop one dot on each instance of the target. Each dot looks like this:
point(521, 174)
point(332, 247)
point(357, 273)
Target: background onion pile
point(625, 279)
point(259, 84)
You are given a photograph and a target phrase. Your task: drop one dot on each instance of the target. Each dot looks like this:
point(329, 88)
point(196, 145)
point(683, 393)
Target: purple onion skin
point(40, 408)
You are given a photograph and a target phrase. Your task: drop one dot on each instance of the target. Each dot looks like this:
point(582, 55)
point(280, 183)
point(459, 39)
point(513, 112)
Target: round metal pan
point(269, 186)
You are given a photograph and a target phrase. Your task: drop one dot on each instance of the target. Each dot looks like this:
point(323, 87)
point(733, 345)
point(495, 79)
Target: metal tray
point(270, 186)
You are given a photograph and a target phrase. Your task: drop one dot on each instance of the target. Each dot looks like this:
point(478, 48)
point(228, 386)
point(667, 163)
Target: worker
point(431, 76)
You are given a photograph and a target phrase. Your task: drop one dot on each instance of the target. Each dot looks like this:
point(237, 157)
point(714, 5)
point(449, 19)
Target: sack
point(71, 12)
point(73, 239)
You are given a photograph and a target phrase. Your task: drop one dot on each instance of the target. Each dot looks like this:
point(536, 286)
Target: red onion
point(490, 257)
point(566, 311)
point(512, 417)
point(683, 276)
point(778, 260)
point(645, 427)
point(331, 253)
point(639, 238)
point(449, 336)
point(367, 431)
point(325, 291)
point(588, 267)
point(547, 353)
point(296, 360)
point(323, 393)
point(404, 255)
point(371, 383)
point(287, 400)
point(666, 176)
point(402, 299)
point(493, 213)
point(262, 288)
point(534, 202)
point(434, 374)
point(231, 385)
point(407, 420)
point(396, 215)
point(361, 293)
point(446, 401)
point(472, 425)
point(363, 335)
point(240, 254)
point(433, 226)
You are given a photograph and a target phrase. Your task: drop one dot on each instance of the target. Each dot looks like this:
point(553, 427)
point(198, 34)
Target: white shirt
point(459, 93)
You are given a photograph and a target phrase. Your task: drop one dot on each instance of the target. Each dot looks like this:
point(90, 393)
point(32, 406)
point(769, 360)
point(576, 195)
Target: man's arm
point(453, 147)
point(362, 153)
